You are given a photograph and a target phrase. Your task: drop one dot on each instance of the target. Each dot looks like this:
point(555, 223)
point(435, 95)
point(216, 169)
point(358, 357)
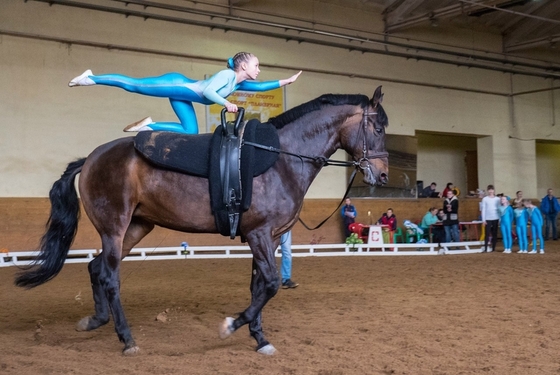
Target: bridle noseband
point(363, 162)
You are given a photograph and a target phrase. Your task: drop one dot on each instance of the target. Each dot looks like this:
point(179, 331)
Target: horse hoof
point(83, 324)
point(133, 350)
point(226, 328)
point(267, 350)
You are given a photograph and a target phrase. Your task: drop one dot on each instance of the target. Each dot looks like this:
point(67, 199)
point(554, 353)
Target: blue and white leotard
point(521, 218)
point(183, 91)
point(506, 220)
point(536, 226)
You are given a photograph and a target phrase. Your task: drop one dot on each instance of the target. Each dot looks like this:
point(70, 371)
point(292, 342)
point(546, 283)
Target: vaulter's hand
point(230, 107)
point(293, 78)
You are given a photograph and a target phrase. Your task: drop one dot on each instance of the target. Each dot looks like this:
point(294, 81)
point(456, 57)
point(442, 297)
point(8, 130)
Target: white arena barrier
point(24, 258)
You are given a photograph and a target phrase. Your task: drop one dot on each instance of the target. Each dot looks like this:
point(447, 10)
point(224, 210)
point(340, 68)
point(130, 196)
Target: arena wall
point(45, 124)
point(22, 222)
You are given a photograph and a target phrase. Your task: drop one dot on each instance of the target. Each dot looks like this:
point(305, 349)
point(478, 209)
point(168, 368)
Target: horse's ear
point(377, 97)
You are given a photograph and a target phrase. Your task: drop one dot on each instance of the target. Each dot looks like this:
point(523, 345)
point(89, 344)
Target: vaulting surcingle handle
point(238, 119)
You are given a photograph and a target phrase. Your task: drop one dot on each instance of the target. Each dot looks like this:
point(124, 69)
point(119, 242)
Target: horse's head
point(364, 139)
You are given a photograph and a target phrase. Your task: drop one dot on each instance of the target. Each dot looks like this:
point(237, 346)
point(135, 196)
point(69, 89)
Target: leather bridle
point(362, 163)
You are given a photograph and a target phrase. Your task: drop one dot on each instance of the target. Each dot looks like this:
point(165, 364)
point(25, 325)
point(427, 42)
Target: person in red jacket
point(389, 219)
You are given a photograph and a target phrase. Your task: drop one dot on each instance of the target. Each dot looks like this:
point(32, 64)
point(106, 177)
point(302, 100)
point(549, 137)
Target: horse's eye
point(379, 130)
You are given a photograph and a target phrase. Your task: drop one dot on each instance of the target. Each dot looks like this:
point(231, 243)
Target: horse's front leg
point(264, 285)
point(255, 326)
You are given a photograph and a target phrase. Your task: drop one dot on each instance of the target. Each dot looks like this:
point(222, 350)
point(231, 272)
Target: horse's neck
point(309, 137)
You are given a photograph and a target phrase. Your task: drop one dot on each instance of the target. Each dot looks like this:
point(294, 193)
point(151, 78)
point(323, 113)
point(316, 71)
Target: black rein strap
point(337, 207)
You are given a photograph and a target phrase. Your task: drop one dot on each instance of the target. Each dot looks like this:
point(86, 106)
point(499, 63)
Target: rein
point(316, 159)
point(362, 163)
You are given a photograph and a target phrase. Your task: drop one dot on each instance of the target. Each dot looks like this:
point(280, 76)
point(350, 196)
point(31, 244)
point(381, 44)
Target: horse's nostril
point(384, 178)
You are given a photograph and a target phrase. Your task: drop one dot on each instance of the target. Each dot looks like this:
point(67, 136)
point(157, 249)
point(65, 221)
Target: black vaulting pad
point(199, 155)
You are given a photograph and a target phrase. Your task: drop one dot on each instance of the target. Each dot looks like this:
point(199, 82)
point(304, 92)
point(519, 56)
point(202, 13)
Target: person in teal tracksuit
point(536, 218)
point(242, 70)
point(521, 219)
point(506, 221)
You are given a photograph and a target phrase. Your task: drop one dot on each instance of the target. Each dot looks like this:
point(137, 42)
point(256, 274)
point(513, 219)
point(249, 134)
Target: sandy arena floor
point(462, 314)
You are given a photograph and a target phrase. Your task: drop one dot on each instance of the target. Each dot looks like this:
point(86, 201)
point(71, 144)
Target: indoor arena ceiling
point(524, 24)
point(527, 26)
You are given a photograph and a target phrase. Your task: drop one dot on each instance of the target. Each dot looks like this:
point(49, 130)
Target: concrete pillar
point(508, 164)
point(485, 161)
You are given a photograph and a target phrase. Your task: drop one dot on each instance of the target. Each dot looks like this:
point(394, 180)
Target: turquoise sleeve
point(218, 81)
point(259, 86)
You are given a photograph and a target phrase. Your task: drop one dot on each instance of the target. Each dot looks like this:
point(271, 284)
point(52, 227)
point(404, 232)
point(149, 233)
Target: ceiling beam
point(397, 20)
point(515, 22)
point(551, 40)
point(530, 29)
point(399, 11)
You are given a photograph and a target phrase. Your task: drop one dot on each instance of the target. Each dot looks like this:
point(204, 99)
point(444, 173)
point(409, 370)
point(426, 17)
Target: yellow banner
point(258, 105)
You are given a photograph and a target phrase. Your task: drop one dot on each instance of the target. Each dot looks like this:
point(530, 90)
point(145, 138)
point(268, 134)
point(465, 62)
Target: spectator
point(389, 219)
point(438, 233)
point(490, 212)
point(286, 268)
point(349, 214)
point(518, 201)
point(448, 187)
point(506, 221)
point(429, 219)
point(536, 225)
point(430, 191)
point(550, 208)
point(451, 217)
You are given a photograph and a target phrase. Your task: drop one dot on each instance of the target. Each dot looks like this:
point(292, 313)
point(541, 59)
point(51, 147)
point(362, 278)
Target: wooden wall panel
point(22, 222)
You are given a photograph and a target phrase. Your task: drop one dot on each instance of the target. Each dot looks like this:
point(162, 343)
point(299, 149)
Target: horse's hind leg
point(101, 316)
point(135, 232)
point(109, 282)
point(118, 248)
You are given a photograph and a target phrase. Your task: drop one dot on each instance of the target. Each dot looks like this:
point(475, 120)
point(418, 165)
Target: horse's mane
point(327, 99)
point(382, 116)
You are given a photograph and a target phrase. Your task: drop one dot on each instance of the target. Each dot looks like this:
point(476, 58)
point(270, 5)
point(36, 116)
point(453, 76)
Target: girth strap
point(230, 168)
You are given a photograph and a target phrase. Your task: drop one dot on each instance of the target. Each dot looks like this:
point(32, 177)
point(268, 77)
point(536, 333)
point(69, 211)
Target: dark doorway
point(471, 166)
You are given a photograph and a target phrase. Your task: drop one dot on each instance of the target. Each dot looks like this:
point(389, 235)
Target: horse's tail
point(61, 230)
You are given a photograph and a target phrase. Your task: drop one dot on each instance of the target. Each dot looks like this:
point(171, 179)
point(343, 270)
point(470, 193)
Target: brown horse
point(125, 197)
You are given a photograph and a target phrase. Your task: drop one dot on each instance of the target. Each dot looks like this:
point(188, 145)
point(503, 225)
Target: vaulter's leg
point(185, 112)
point(169, 85)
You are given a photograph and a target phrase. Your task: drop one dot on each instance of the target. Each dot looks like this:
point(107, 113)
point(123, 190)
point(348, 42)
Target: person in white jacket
point(490, 212)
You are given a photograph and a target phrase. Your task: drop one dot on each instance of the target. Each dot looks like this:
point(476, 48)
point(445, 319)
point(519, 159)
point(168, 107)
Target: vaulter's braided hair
point(235, 62)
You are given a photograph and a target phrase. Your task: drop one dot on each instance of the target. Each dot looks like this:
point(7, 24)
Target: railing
point(23, 258)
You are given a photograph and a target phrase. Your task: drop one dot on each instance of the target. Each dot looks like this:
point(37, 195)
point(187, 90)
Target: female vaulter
point(242, 70)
